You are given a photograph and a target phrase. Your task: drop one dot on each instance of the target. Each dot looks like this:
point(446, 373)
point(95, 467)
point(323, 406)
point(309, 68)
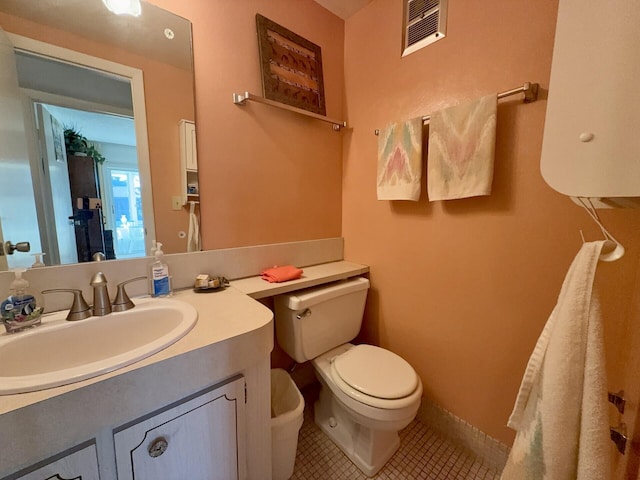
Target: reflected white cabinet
point(591, 145)
point(188, 161)
point(200, 438)
point(81, 464)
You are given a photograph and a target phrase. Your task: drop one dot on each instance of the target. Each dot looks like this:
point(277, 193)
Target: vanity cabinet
point(81, 464)
point(192, 394)
point(199, 438)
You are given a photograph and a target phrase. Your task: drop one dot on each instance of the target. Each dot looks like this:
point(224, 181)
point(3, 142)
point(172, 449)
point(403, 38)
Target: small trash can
point(287, 406)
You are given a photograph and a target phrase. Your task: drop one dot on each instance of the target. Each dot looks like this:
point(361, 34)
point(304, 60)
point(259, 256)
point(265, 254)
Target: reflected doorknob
point(9, 247)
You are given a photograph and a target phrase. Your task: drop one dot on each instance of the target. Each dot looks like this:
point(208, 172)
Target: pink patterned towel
point(400, 161)
point(461, 150)
point(281, 274)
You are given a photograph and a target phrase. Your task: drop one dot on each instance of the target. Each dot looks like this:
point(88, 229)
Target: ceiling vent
point(425, 21)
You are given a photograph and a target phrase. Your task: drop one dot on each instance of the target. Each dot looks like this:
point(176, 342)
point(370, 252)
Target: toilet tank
point(329, 316)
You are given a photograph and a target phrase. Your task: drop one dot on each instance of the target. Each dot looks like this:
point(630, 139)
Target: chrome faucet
point(101, 302)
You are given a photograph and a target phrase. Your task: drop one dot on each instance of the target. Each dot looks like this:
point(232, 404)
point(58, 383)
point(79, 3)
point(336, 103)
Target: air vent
point(425, 22)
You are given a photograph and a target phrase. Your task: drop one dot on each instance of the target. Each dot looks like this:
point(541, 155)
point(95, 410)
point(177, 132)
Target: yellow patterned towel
point(461, 150)
point(400, 161)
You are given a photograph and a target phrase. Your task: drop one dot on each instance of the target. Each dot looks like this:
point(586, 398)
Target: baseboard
point(490, 451)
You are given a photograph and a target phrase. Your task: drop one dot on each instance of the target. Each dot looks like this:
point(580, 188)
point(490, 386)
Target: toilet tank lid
point(312, 296)
point(376, 372)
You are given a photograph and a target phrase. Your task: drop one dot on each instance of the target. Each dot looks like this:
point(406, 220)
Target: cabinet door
point(192, 159)
point(201, 438)
point(79, 465)
point(188, 149)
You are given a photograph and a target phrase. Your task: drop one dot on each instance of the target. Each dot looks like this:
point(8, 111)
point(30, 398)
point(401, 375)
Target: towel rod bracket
point(240, 99)
point(531, 92)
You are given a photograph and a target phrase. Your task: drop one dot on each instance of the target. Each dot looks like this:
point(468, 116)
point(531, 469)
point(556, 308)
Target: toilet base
point(367, 448)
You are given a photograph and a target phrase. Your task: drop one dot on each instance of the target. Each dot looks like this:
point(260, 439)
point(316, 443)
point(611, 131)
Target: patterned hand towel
point(461, 150)
point(400, 161)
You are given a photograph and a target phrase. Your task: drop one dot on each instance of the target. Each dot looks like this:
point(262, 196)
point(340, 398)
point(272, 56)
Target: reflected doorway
point(102, 194)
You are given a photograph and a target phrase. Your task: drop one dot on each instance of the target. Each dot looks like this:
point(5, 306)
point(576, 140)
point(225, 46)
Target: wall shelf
point(241, 100)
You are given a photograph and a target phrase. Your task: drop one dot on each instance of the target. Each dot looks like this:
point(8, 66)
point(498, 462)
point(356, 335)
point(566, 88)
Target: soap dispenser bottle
point(20, 310)
point(160, 282)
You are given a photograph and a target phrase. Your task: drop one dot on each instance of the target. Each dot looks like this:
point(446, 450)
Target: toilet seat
point(392, 385)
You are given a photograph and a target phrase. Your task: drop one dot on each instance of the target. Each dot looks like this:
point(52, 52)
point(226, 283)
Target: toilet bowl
point(367, 393)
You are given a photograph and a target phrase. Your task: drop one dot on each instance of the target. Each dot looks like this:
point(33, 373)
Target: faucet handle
point(122, 301)
point(98, 279)
point(79, 308)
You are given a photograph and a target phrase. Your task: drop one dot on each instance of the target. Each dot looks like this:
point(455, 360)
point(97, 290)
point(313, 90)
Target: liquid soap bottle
point(20, 310)
point(159, 280)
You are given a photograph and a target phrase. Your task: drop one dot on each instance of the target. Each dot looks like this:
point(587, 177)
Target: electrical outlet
point(176, 202)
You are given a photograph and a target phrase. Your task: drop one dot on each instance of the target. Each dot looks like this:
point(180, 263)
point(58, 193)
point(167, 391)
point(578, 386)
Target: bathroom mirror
point(131, 119)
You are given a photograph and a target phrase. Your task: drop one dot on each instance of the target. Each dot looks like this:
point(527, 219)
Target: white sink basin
point(60, 352)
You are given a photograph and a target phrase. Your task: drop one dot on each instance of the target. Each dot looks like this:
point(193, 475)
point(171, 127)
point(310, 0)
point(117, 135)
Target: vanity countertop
point(257, 288)
point(222, 315)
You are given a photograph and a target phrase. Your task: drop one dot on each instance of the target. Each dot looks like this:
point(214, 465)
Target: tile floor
point(423, 455)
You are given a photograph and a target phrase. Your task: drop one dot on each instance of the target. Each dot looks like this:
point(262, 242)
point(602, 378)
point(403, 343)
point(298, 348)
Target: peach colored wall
point(168, 97)
point(266, 175)
point(462, 289)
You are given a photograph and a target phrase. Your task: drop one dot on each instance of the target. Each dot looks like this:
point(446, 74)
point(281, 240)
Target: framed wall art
point(291, 67)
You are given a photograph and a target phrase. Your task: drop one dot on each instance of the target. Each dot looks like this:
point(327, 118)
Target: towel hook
point(616, 249)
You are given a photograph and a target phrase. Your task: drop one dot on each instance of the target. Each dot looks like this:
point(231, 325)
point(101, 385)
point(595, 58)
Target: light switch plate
point(176, 202)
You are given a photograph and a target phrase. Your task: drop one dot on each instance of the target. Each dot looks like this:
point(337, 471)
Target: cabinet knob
point(586, 136)
point(158, 447)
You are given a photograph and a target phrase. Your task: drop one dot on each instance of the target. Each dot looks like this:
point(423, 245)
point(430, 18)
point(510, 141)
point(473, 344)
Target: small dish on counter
point(205, 283)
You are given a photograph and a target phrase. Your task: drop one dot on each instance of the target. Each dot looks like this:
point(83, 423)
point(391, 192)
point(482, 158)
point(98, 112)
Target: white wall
point(17, 207)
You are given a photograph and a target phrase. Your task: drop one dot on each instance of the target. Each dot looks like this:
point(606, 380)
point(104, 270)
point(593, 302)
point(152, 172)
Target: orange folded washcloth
point(281, 274)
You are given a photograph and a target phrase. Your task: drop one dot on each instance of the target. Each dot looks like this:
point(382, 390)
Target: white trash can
point(287, 406)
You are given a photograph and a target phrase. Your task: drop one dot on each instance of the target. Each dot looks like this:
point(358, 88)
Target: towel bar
point(529, 89)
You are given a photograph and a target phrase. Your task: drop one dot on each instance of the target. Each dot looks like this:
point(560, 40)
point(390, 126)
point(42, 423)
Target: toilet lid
point(376, 372)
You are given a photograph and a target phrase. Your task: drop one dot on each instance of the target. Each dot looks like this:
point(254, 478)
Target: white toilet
point(368, 393)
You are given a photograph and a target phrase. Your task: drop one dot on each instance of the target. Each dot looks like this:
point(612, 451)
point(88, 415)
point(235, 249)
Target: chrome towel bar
point(529, 89)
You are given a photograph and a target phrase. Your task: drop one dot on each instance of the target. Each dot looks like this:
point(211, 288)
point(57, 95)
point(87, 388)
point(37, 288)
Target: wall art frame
point(291, 67)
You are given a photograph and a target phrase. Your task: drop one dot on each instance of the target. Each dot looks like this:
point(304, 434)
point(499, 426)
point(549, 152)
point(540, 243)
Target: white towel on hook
point(561, 413)
point(193, 238)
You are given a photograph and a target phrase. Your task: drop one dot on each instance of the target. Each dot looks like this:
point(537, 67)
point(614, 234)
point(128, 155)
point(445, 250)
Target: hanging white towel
point(461, 150)
point(193, 238)
point(561, 412)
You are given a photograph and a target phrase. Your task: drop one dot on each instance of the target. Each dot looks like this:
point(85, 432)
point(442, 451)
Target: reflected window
point(124, 185)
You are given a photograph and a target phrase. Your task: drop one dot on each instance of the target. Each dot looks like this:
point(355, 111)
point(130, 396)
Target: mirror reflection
point(90, 135)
